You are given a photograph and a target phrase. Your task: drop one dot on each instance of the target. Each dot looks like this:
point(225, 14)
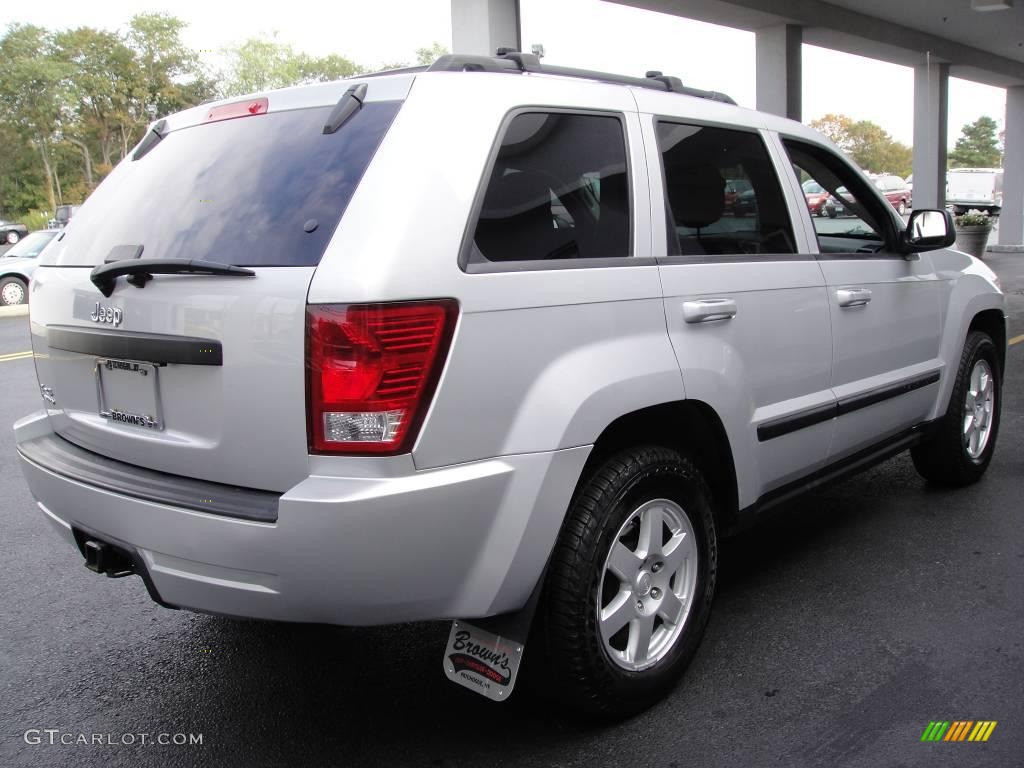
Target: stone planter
point(973, 239)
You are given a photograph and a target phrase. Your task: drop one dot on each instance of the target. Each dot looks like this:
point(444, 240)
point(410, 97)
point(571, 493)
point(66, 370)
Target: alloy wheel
point(979, 405)
point(648, 584)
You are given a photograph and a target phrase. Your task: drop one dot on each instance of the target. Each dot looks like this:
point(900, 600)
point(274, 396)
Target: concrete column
point(482, 26)
point(779, 70)
point(931, 114)
point(1011, 220)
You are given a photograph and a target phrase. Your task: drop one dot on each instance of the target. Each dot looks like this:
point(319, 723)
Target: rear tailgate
point(196, 375)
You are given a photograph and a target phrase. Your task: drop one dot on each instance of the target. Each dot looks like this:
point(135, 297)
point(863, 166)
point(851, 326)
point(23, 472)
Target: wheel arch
point(992, 322)
point(688, 426)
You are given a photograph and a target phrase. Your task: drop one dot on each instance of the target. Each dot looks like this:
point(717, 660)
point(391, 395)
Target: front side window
point(559, 189)
point(722, 193)
point(851, 220)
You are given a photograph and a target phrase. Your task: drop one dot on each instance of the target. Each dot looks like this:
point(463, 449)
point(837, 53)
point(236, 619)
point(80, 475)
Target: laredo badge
point(482, 662)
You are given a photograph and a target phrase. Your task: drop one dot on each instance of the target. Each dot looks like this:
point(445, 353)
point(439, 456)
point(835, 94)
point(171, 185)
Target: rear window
point(260, 191)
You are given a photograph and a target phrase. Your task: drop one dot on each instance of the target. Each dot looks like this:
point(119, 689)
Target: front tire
point(12, 237)
point(12, 291)
point(630, 584)
point(961, 448)
point(902, 208)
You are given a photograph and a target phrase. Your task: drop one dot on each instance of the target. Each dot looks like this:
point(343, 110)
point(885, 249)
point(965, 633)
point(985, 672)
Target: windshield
point(813, 188)
point(31, 245)
point(266, 190)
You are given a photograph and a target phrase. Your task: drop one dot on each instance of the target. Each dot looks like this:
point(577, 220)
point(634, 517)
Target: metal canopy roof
point(987, 47)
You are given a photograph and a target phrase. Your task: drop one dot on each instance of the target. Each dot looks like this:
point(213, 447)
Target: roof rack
point(513, 62)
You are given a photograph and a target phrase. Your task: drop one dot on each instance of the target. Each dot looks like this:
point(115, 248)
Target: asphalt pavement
point(841, 629)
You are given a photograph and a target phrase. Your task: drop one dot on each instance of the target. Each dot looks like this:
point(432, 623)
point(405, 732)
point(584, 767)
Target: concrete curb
point(15, 311)
point(1006, 248)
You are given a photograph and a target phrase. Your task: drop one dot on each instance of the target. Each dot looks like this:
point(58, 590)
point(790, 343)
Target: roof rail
point(385, 72)
point(515, 62)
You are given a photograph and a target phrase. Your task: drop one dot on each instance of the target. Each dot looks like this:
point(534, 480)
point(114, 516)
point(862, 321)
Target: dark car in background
point(62, 215)
point(839, 206)
point(11, 232)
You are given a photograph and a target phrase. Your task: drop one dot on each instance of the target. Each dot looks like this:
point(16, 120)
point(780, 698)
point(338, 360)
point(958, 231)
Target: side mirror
point(929, 230)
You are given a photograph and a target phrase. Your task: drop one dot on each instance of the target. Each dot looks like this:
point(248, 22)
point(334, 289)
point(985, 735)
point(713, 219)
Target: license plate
point(129, 393)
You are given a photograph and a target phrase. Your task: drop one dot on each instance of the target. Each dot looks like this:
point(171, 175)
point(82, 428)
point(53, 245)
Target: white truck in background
point(974, 188)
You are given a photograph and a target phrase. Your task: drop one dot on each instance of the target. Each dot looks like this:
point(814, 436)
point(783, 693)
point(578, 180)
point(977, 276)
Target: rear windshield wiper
point(140, 271)
point(351, 101)
point(153, 137)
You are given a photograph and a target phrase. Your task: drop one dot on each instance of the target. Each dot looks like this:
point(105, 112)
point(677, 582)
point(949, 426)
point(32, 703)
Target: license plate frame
point(122, 399)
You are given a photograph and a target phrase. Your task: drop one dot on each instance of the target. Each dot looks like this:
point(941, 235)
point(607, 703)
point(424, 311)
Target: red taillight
point(371, 372)
point(238, 109)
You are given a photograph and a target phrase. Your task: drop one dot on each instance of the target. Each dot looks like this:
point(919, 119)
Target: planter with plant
point(972, 231)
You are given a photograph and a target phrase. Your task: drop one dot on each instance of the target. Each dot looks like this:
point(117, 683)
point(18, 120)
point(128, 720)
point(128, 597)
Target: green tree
point(22, 184)
point(260, 65)
point(170, 75)
point(327, 68)
point(870, 145)
point(978, 146)
point(103, 84)
point(427, 56)
point(73, 102)
point(31, 83)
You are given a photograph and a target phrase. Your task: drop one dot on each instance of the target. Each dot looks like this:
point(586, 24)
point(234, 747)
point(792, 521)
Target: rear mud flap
point(484, 655)
point(482, 661)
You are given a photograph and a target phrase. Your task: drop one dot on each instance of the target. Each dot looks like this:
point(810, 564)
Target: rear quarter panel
point(542, 359)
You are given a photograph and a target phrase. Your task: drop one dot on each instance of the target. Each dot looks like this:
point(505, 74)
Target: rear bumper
point(466, 541)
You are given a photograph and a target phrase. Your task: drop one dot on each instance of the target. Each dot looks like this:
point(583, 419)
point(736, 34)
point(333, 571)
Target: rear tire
point(12, 291)
point(960, 449)
point(902, 208)
point(630, 584)
point(12, 237)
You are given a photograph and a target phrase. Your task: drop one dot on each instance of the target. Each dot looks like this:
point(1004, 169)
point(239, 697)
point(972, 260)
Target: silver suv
point(493, 342)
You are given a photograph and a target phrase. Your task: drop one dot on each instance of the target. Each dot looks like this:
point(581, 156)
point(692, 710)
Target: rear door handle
point(853, 297)
point(708, 310)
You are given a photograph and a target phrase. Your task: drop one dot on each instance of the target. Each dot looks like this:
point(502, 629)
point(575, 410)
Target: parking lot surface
point(842, 627)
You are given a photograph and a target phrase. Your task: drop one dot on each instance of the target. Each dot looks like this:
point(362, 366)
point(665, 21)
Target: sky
point(581, 33)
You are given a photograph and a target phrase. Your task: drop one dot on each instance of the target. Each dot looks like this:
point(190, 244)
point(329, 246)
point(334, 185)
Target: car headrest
point(696, 194)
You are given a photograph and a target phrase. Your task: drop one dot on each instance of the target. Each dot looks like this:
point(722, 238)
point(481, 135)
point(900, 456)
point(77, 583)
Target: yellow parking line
point(1016, 340)
point(15, 356)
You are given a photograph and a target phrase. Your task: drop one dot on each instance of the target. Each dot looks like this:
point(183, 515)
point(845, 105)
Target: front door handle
point(708, 310)
point(853, 297)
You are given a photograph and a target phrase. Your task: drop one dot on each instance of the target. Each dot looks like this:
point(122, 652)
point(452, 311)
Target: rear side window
point(265, 190)
point(559, 189)
point(722, 193)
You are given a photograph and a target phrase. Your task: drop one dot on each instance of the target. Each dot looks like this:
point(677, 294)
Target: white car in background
point(18, 264)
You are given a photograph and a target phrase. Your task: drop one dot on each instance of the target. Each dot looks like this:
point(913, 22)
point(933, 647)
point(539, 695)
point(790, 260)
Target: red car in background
point(895, 189)
point(816, 197)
